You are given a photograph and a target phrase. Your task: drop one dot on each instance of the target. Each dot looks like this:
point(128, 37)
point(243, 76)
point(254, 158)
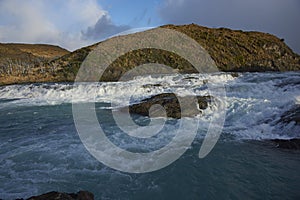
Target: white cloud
point(26, 22)
point(48, 21)
point(103, 29)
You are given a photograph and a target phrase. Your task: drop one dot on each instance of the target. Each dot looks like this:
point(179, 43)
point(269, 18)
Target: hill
point(30, 51)
point(236, 50)
point(17, 61)
point(232, 50)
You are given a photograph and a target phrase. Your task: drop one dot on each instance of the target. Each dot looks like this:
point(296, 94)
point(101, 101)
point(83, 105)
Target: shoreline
point(233, 73)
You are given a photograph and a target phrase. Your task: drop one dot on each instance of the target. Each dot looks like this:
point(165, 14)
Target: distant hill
point(21, 62)
point(30, 51)
point(232, 50)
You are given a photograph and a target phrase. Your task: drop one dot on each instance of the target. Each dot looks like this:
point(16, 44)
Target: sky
point(72, 24)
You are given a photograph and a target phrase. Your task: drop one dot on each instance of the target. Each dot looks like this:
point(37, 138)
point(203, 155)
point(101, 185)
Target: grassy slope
point(236, 50)
point(25, 62)
point(21, 51)
point(231, 50)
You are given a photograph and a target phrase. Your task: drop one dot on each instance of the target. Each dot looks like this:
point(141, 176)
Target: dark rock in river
point(152, 106)
point(287, 144)
point(292, 115)
point(81, 195)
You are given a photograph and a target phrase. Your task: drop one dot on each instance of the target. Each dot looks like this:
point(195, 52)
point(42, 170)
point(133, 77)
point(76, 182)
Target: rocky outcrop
point(81, 195)
point(171, 105)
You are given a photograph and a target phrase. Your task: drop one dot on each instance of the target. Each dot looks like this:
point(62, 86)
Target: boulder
point(81, 195)
point(169, 101)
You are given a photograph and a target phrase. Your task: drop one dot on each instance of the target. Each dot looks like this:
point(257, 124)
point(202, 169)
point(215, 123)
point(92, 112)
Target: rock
point(81, 195)
point(287, 144)
point(291, 115)
point(171, 104)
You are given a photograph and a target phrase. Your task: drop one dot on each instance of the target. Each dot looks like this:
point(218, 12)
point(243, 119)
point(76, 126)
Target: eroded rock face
point(171, 105)
point(81, 195)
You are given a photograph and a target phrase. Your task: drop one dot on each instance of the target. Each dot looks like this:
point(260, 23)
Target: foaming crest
point(144, 86)
point(254, 100)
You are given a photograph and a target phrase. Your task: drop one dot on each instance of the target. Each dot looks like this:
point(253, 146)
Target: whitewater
point(40, 150)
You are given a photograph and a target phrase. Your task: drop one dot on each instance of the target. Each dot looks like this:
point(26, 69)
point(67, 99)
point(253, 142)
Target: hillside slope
point(232, 50)
point(26, 51)
point(236, 50)
point(24, 62)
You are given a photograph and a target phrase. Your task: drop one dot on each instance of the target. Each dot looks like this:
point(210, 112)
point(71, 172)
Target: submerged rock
point(81, 195)
point(292, 115)
point(287, 144)
point(152, 106)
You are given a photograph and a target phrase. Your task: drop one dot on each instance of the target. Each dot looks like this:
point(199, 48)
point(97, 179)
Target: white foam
point(118, 92)
point(255, 101)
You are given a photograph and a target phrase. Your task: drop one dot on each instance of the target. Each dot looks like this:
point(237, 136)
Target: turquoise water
point(40, 150)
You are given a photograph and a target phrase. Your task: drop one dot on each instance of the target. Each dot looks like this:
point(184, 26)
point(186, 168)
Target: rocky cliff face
point(232, 50)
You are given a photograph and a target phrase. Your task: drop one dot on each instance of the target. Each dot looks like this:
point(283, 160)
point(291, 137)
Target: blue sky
point(76, 23)
point(134, 12)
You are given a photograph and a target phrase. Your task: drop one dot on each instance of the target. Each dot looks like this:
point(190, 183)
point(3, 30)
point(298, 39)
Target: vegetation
point(232, 50)
point(21, 63)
